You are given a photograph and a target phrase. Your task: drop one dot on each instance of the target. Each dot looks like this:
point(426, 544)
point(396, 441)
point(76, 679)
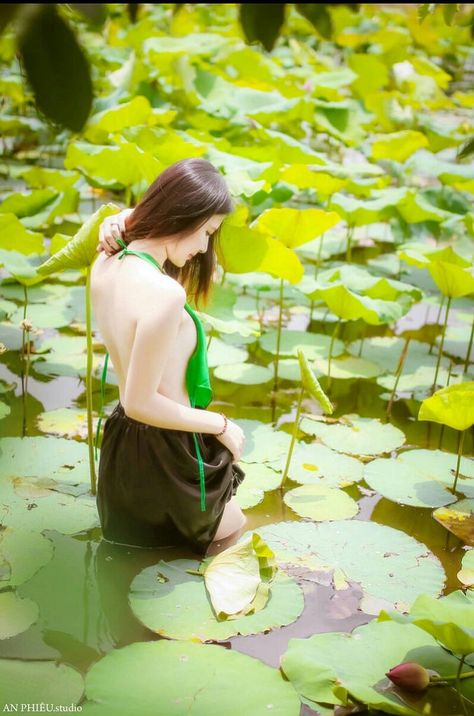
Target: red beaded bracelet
point(225, 425)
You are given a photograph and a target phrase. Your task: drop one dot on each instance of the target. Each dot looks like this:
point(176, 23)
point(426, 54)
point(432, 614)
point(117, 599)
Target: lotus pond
point(340, 338)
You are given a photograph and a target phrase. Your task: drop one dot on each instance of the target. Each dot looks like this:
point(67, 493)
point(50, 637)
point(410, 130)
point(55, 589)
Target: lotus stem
point(293, 437)
point(90, 430)
point(277, 357)
point(458, 463)
point(364, 330)
point(349, 242)
point(401, 362)
point(223, 277)
point(320, 251)
point(465, 675)
point(441, 345)
point(331, 345)
point(441, 432)
point(437, 322)
point(457, 684)
point(468, 354)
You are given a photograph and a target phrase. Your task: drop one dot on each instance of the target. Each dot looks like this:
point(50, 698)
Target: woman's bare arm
point(156, 329)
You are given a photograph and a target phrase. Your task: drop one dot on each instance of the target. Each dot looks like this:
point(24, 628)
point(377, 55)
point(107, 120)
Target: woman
point(166, 472)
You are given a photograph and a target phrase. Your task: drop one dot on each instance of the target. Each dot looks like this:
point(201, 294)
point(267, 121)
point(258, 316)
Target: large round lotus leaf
point(321, 503)
point(175, 604)
point(317, 464)
point(221, 353)
point(262, 442)
point(398, 570)
point(244, 373)
point(386, 352)
point(66, 345)
point(327, 667)
point(54, 511)
point(174, 678)
point(57, 458)
point(347, 367)
point(458, 519)
point(315, 345)
point(66, 364)
point(420, 477)
point(11, 336)
point(420, 380)
point(258, 479)
point(69, 422)
point(360, 436)
point(39, 682)
point(289, 369)
point(22, 553)
point(45, 315)
point(16, 614)
point(456, 342)
point(466, 573)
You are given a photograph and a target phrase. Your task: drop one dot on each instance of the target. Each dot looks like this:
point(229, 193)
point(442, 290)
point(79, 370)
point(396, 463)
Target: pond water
point(83, 591)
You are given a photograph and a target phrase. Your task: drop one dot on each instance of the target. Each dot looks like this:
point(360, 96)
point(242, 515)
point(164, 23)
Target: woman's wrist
point(225, 426)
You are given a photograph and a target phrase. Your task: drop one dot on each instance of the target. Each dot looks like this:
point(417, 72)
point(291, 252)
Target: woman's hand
point(233, 439)
point(112, 228)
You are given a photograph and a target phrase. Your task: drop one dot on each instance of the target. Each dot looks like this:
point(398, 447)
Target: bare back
point(120, 289)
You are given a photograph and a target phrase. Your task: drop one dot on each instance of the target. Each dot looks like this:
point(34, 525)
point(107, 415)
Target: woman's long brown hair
point(180, 200)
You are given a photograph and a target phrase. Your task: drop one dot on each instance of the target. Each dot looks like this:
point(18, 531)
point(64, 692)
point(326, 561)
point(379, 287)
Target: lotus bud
point(3, 348)
point(26, 324)
point(409, 676)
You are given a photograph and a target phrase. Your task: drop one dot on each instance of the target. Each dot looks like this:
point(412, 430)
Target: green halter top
point(198, 382)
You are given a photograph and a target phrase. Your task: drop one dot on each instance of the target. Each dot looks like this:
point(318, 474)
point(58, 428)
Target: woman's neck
point(157, 249)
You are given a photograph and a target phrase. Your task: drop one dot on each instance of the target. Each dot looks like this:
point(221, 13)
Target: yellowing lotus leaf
point(452, 406)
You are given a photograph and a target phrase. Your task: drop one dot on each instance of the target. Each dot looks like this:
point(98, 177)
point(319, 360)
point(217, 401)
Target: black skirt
point(148, 492)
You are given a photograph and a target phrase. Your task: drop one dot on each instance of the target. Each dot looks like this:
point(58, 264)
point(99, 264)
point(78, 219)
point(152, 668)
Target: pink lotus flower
point(409, 676)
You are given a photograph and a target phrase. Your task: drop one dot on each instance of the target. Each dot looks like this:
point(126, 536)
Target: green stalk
point(441, 432)
point(441, 345)
point(277, 357)
point(437, 322)
point(349, 242)
point(333, 337)
point(364, 331)
point(458, 463)
point(293, 437)
point(90, 430)
point(457, 684)
point(468, 354)
point(401, 362)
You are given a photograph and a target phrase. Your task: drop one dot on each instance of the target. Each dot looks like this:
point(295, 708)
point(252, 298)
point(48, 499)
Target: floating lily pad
point(321, 503)
point(289, 369)
point(386, 352)
point(173, 603)
point(16, 614)
point(327, 667)
point(57, 458)
point(335, 553)
point(347, 367)
point(262, 442)
point(314, 463)
point(244, 373)
point(11, 336)
point(45, 315)
point(22, 554)
point(54, 511)
point(192, 678)
point(66, 364)
point(40, 682)
point(221, 353)
point(315, 345)
point(417, 382)
point(361, 436)
point(458, 519)
point(258, 479)
point(420, 478)
point(466, 573)
point(69, 422)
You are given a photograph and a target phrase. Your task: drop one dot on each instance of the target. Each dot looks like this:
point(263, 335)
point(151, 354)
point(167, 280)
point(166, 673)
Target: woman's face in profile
point(182, 250)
